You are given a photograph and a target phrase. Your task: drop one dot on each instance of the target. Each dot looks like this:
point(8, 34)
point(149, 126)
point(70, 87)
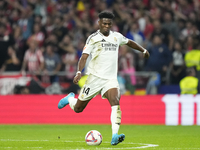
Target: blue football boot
point(64, 101)
point(117, 139)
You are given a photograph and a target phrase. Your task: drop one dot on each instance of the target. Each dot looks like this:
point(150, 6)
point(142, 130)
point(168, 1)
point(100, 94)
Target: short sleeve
point(88, 46)
point(123, 40)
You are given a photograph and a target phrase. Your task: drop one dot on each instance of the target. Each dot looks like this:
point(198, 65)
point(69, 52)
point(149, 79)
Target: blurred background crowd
point(45, 38)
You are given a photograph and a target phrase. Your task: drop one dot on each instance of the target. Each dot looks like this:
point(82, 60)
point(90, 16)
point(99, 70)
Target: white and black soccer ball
point(93, 137)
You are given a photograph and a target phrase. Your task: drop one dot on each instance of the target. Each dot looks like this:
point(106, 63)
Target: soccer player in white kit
point(103, 46)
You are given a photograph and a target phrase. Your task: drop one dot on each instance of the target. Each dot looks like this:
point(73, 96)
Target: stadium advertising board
point(152, 109)
point(8, 82)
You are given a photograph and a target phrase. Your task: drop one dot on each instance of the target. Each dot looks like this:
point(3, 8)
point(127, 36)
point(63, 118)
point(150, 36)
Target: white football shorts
point(95, 85)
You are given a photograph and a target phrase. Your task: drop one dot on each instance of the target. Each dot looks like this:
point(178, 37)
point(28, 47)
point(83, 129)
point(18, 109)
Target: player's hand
point(77, 78)
point(146, 54)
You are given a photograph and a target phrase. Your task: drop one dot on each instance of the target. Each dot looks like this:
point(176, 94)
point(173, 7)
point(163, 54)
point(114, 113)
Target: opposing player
point(102, 71)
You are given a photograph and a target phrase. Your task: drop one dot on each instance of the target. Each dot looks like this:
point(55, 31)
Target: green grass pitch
point(71, 137)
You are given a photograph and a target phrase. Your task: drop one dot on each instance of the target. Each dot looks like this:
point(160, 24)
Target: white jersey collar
point(111, 38)
point(104, 35)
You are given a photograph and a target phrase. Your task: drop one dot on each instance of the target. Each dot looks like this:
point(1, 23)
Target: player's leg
point(65, 100)
point(75, 104)
point(113, 97)
point(88, 91)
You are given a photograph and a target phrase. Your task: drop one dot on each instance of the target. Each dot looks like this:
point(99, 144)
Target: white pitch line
point(139, 147)
point(143, 145)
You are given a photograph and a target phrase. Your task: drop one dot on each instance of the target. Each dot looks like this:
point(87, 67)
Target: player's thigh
point(111, 92)
point(91, 88)
point(113, 96)
point(80, 105)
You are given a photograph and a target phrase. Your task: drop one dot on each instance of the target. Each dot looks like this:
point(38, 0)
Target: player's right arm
point(81, 65)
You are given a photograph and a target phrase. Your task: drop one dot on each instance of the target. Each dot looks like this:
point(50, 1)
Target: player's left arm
point(138, 47)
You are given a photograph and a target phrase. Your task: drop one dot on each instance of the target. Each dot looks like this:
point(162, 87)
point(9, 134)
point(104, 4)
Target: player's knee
point(114, 101)
point(78, 109)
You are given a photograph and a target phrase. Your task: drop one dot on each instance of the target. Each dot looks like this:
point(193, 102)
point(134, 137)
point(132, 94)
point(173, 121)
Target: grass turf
point(66, 137)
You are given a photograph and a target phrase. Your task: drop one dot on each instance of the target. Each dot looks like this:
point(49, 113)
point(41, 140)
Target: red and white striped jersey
point(34, 59)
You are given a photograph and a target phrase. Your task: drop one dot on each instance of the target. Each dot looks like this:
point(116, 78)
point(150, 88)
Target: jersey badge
point(115, 39)
point(82, 96)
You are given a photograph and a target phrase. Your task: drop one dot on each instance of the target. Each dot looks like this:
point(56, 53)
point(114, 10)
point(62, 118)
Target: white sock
point(72, 102)
point(115, 118)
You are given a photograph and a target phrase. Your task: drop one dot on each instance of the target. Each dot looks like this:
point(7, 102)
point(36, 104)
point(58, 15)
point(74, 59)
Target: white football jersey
point(104, 52)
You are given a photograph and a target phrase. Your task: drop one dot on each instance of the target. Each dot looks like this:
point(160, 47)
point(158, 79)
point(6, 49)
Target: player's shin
point(72, 102)
point(115, 118)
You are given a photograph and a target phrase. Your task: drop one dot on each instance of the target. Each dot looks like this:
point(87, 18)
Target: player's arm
point(136, 46)
point(81, 65)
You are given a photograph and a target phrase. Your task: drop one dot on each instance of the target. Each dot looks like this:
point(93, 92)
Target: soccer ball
point(93, 137)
